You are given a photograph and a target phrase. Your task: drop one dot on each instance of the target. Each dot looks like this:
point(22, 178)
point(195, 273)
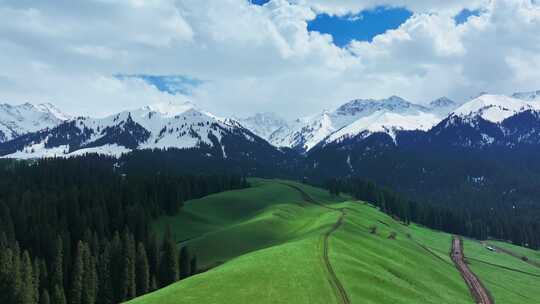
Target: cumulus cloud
point(258, 58)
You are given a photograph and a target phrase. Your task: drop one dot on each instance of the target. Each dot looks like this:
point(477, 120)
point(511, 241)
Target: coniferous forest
point(78, 230)
point(479, 223)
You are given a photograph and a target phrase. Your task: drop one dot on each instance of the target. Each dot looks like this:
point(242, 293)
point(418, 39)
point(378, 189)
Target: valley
point(269, 152)
point(286, 245)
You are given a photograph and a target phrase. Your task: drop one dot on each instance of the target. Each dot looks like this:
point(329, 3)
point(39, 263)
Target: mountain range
point(17, 120)
point(28, 131)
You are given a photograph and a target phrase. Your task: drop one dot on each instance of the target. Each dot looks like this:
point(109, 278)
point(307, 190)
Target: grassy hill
point(283, 242)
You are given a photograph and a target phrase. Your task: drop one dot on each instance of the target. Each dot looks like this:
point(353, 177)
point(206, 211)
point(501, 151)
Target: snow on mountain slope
point(528, 96)
point(443, 106)
point(264, 124)
point(16, 120)
point(162, 126)
point(358, 116)
point(40, 151)
point(385, 122)
point(493, 108)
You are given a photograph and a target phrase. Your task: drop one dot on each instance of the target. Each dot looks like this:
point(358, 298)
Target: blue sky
point(465, 14)
point(259, 2)
point(172, 84)
point(361, 27)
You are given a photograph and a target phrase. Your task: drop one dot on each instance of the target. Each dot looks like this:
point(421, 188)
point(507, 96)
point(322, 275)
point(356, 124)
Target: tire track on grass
point(337, 286)
point(478, 291)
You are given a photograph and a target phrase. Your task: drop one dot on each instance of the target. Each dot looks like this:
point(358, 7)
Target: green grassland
point(509, 279)
point(265, 244)
point(532, 255)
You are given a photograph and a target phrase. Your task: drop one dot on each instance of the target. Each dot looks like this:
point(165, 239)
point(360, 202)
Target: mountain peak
point(264, 124)
point(171, 108)
point(442, 102)
point(16, 120)
point(493, 108)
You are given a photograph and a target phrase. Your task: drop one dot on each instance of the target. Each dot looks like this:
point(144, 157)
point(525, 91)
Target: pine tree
point(26, 293)
point(153, 253)
point(128, 271)
point(193, 265)
point(16, 275)
point(36, 279)
point(169, 260)
point(43, 275)
point(7, 294)
point(58, 296)
point(75, 295)
point(185, 263)
point(142, 270)
point(89, 291)
point(44, 298)
point(117, 268)
point(153, 283)
point(105, 293)
point(57, 270)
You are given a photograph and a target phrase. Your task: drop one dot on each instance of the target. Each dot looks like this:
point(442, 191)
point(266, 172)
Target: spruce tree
point(27, 291)
point(44, 298)
point(185, 263)
point(193, 265)
point(169, 260)
point(58, 297)
point(142, 270)
point(16, 275)
point(128, 271)
point(153, 283)
point(36, 279)
point(57, 270)
point(7, 294)
point(89, 291)
point(153, 253)
point(105, 292)
point(75, 294)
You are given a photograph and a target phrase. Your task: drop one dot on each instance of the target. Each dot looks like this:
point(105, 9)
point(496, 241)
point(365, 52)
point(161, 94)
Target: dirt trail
point(516, 255)
point(339, 290)
point(479, 292)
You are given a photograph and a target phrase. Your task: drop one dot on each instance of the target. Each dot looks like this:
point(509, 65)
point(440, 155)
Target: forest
point(79, 230)
point(478, 223)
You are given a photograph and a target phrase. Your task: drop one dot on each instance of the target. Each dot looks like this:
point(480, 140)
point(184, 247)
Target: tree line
point(479, 223)
point(78, 230)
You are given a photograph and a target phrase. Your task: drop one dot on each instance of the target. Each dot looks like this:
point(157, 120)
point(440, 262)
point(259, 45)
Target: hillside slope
point(282, 242)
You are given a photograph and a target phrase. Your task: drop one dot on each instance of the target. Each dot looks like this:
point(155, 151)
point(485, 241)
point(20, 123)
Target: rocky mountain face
point(17, 120)
point(367, 124)
point(165, 126)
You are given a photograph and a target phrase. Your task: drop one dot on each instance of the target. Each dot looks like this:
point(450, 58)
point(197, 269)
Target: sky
point(238, 57)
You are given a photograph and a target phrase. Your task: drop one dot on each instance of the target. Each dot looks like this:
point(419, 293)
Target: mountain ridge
point(184, 126)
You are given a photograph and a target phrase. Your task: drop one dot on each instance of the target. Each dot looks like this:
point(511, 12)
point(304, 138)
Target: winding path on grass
point(479, 292)
point(337, 286)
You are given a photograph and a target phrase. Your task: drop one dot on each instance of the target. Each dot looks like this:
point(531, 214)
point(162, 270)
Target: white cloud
point(254, 58)
point(346, 7)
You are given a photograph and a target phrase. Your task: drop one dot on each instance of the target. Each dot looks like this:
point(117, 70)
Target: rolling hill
point(284, 242)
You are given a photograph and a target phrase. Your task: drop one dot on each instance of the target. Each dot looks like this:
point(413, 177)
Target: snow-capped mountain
point(490, 120)
point(265, 125)
point(528, 96)
point(493, 108)
point(162, 126)
point(17, 120)
point(486, 120)
point(360, 116)
point(443, 106)
point(489, 128)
